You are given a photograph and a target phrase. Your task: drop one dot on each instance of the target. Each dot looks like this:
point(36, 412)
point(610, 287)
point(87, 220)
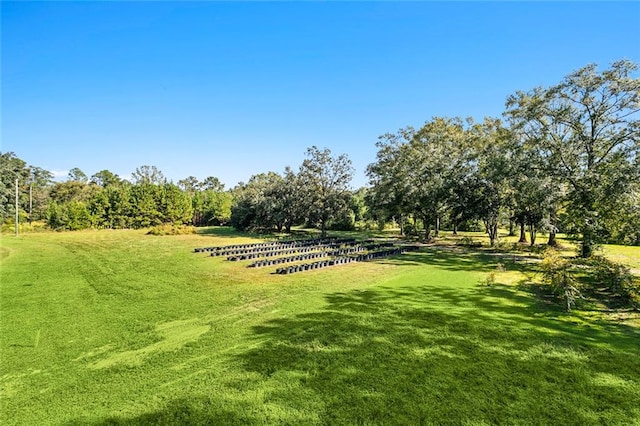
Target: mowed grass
point(118, 327)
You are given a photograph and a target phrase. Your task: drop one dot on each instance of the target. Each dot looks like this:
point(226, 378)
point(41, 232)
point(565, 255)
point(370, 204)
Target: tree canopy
point(565, 158)
point(586, 132)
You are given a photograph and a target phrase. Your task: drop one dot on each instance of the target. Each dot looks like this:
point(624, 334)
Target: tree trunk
point(493, 233)
point(532, 234)
point(437, 231)
point(512, 233)
point(455, 229)
point(586, 249)
point(588, 235)
point(523, 233)
point(492, 229)
point(590, 218)
point(427, 228)
point(552, 230)
point(323, 229)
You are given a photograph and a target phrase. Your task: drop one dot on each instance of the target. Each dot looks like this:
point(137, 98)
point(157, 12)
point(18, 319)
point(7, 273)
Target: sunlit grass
point(627, 255)
point(118, 327)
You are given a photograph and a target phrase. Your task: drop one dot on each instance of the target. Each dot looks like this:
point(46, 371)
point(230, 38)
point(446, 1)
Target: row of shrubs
point(171, 229)
point(571, 279)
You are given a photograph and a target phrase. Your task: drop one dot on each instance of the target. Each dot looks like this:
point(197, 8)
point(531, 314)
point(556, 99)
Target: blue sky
point(231, 89)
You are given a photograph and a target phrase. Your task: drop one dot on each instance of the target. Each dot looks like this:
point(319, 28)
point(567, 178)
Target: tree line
point(107, 201)
point(316, 195)
point(563, 158)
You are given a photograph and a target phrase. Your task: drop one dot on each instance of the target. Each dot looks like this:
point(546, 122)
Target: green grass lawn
point(118, 327)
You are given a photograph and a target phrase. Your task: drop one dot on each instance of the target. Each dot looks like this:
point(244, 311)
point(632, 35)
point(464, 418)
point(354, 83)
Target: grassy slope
point(119, 327)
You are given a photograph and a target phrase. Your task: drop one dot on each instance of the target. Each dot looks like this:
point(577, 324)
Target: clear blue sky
point(234, 89)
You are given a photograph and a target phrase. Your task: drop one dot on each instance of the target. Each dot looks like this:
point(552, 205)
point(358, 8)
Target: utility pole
point(16, 207)
point(30, 201)
point(31, 174)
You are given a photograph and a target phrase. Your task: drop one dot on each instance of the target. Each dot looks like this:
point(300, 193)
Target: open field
point(119, 327)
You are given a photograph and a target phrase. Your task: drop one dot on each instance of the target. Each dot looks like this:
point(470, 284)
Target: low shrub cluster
point(35, 226)
point(491, 277)
point(572, 278)
point(171, 229)
point(618, 280)
point(558, 273)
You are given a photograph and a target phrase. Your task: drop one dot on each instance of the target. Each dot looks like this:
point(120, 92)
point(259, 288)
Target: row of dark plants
point(274, 253)
point(344, 260)
point(281, 243)
point(277, 251)
point(316, 255)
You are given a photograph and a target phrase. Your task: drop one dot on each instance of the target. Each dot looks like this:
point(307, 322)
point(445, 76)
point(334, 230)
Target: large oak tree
point(325, 181)
point(586, 130)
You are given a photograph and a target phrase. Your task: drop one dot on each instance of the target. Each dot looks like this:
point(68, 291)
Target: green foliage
point(190, 184)
point(467, 241)
point(11, 168)
point(25, 227)
point(387, 197)
point(77, 175)
point(490, 279)
point(571, 147)
point(502, 246)
point(72, 190)
point(257, 205)
point(212, 208)
point(617, 278)
point(71, 216)
point(557, 272)
point(78, 205)
point(145, 206)
point(346, 222)
point(174, 204)
point(412, 229)
point(621, 218)
point(148, 175)
point(171, 229)
point(585, 131)
point(269, 201)
point(78, 216)
point(212, 183)
point(324, 182)
point(567, 162)
point(98, 208)
point(118, 211)
point(106, 178)
point(447, 168)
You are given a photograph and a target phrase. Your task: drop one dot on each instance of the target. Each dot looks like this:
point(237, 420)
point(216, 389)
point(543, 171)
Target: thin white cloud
point(59, 174)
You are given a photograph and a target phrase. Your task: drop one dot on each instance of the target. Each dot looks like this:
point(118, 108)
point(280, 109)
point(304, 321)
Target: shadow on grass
point(429, 355)
point(444, 356)
point(452, 261)
point(221, 231)
point(183, 411)
point(230, 232)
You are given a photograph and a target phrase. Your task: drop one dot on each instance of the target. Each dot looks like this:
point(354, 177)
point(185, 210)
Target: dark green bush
point(557, 272)
point(169, 229)
point(468, 242)
point(617, 278)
